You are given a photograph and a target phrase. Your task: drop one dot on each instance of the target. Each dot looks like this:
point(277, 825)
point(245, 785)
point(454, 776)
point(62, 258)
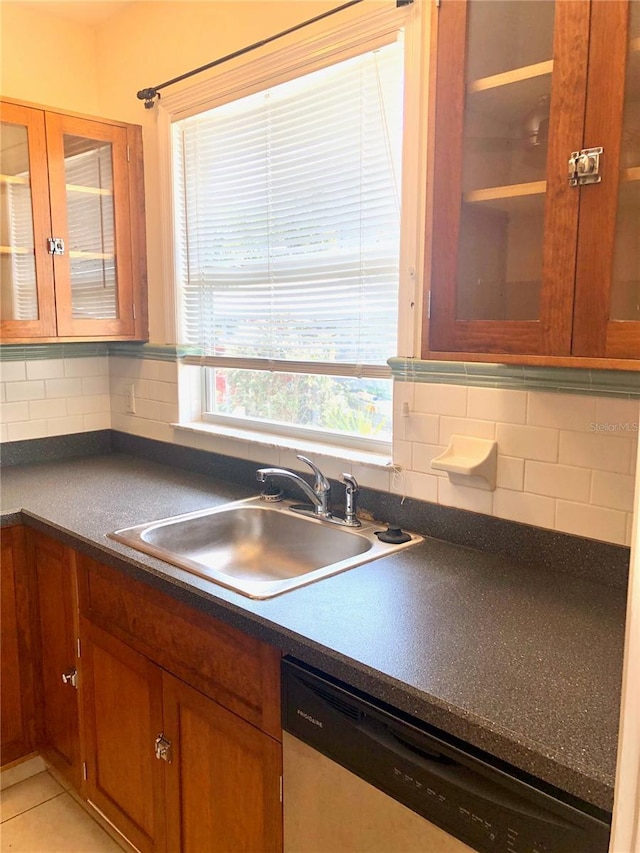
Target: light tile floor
point(39, 816)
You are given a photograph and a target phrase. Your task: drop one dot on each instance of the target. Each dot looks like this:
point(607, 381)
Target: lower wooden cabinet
point(122, 704)
point(222, 777)
point(17, 708)
point(163, 718)
point(56, 635)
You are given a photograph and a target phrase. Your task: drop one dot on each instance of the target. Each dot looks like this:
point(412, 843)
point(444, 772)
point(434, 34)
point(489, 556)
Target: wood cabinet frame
point(56, 322)
point(577, 251)
point(19, 735)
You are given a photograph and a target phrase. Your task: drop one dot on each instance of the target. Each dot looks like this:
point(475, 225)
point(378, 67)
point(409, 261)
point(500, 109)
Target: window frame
point(274, 66)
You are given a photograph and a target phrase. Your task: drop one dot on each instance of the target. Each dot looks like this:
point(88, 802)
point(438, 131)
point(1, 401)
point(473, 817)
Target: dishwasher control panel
point(482, 805)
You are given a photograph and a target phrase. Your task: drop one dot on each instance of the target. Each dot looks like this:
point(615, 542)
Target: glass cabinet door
point(625, 285)
point(607, 313)
point(505, 145)
point(504, 222)
point(90, 212)
point(26, 272)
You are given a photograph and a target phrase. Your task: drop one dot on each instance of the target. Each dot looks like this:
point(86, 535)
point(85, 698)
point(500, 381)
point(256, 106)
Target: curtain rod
point(149, 95)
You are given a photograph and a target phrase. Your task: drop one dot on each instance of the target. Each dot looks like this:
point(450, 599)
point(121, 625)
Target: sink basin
point(257, 548)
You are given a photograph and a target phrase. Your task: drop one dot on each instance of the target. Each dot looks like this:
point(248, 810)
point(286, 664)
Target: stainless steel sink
point(259, 549)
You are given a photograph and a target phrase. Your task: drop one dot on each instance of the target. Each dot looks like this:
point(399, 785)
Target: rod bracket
point(148, 96)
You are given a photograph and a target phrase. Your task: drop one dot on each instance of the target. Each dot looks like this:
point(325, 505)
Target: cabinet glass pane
point(18, 293)
point(625, 288)
point(506, 124)
point(91, 223)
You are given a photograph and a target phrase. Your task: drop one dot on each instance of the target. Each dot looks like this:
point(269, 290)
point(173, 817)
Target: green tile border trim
point(153, 352)
point(127, 349)
point(33, 352)
point(562, 380)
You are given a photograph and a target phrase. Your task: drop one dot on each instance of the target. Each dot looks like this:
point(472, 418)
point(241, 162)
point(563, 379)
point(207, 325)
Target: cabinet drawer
point(238, 671)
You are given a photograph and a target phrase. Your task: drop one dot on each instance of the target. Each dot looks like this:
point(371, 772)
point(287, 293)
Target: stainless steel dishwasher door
point(328, 809)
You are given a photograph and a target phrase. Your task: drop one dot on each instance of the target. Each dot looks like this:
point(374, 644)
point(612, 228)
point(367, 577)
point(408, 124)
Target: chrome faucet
point(319, 494)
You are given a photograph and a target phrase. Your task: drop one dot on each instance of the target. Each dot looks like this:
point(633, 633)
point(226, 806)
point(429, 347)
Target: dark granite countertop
point(522, 663)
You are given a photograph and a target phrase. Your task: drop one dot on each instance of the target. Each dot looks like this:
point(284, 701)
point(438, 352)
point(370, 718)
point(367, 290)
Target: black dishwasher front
point(483, 805)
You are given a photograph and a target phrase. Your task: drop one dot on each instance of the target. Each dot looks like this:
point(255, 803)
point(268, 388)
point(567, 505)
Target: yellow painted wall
point(47, 60)
point(98, 69)
point(150, 42)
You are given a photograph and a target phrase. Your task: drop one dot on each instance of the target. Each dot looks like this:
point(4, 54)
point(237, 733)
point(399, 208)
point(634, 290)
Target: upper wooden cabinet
point(72, 234)
point(530, 257)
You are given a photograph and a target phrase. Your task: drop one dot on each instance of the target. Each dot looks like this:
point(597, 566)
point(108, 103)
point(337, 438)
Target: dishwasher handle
point(448, 769)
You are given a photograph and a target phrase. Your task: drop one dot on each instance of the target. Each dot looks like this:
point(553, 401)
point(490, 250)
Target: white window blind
point(288, 221)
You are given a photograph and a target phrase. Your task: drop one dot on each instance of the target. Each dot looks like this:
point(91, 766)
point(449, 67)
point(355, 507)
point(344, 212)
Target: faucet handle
point(321, 485)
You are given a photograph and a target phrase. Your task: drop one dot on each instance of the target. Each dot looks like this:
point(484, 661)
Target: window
point(287, 222)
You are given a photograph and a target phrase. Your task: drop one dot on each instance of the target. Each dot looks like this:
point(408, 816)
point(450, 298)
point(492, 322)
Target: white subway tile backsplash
point(606, 452)
point(92, 385)
point(624, 414)
point(528, 509)
point(90, 404)
point(564, 461)
point(63, 387)
point(497, 404)
point(45, 369)
point(49, 408)
point(527, 442)
point(26, 430)
point(431, 399)
point(146, 369)
point(167, 371)
point(3, 392)
point(372, 477)
point(463, 426)
point(561, 411)
point(148, 409)
point(422, 456)
point(510, 474)
point(89, 366)
point(417, 427)
point(27, 390)
point(167, 412)
point(413, 484)
point(591, 521)
point(14, 412)
point(65, 426)
point(557, 481)
point(13, 371)
point(163, 392)
point(612, 490)
point(402, 453)
point(462, 497)
point(98, 420)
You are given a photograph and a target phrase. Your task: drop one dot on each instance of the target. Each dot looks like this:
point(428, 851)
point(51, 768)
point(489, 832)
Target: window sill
point(273, 441)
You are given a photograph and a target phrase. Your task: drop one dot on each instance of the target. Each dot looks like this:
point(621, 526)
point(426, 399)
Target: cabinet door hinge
point(85, 772)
